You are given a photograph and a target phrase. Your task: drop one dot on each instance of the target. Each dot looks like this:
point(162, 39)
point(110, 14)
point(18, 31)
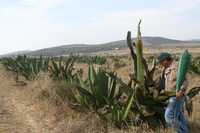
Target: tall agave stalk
point(139, 54)
point(102, 91)
point(146, 102)
point(132, 53)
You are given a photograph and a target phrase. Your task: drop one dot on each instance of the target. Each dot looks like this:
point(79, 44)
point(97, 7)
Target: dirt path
point(15, 114)
point(21, 111)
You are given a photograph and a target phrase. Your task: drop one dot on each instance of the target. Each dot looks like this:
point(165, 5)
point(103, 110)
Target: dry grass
point(37, 107)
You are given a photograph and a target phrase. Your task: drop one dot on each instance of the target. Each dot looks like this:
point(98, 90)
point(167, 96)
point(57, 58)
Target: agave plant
point(100, 60)
point(148, 104)
point(102, 91)
point(99, 87)
point(195, 65)
point(26, 66)
point(63, 70)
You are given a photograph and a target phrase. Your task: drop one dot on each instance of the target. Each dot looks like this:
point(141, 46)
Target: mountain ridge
point(149, 41)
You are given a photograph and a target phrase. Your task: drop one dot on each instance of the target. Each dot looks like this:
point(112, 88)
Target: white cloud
point(164, 21)
point(43, 3)
point(30, 8)
point(29, 24)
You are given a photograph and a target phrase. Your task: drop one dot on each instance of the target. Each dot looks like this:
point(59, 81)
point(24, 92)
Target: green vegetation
point(25, 66)
point(139, 104)
point(118, 62)
point(195, 65)
point(124, 104)
point(100, 60)
point(63, 69)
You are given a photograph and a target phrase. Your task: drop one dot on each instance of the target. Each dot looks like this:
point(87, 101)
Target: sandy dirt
point(32, 108)
point(16, 113)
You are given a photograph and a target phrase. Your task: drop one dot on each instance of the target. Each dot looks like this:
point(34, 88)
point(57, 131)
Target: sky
point(36, 24)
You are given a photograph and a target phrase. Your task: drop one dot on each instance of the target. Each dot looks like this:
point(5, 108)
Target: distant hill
point(16, 53)
point(121, 44)
point(195, 40)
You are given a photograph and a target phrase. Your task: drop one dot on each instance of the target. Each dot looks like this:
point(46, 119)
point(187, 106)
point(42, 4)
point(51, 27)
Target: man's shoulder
point(174, 65)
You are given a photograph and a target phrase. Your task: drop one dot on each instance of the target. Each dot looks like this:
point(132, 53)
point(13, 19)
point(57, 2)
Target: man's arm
point(183, 89)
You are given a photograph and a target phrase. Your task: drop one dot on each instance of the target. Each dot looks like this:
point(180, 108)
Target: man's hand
point(180, 94)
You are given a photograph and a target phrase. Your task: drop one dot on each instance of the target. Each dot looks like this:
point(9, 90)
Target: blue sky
point(35, 24)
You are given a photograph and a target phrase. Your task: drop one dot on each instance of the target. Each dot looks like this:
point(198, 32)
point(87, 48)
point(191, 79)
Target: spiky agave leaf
point(128, 107)
point(139, 54)
point(26, 66)
point(193, 92)
point(189, 107)
point(91, 74)
point(131, 48)
point(102, 87)
point(54, 69)
point(112, 84)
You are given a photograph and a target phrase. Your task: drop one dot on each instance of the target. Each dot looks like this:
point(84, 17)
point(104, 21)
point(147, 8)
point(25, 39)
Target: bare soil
point(34, 108)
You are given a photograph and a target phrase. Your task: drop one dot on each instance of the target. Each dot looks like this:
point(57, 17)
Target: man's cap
point(163, 56)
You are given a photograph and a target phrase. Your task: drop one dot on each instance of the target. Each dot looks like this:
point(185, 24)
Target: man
point(174, 114)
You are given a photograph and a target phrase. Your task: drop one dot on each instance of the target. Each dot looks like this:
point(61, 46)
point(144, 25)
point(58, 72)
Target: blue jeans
point(174, 115)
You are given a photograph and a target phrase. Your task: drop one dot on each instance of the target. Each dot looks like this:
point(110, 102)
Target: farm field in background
point(59, 113)
point(101, 93)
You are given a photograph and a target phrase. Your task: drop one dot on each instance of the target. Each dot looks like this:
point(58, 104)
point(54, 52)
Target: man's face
point(165, 63)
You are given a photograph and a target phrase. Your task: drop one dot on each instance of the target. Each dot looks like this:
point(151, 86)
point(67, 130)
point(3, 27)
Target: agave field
point(100, 60)
point(124, 104)
point(27, 67)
